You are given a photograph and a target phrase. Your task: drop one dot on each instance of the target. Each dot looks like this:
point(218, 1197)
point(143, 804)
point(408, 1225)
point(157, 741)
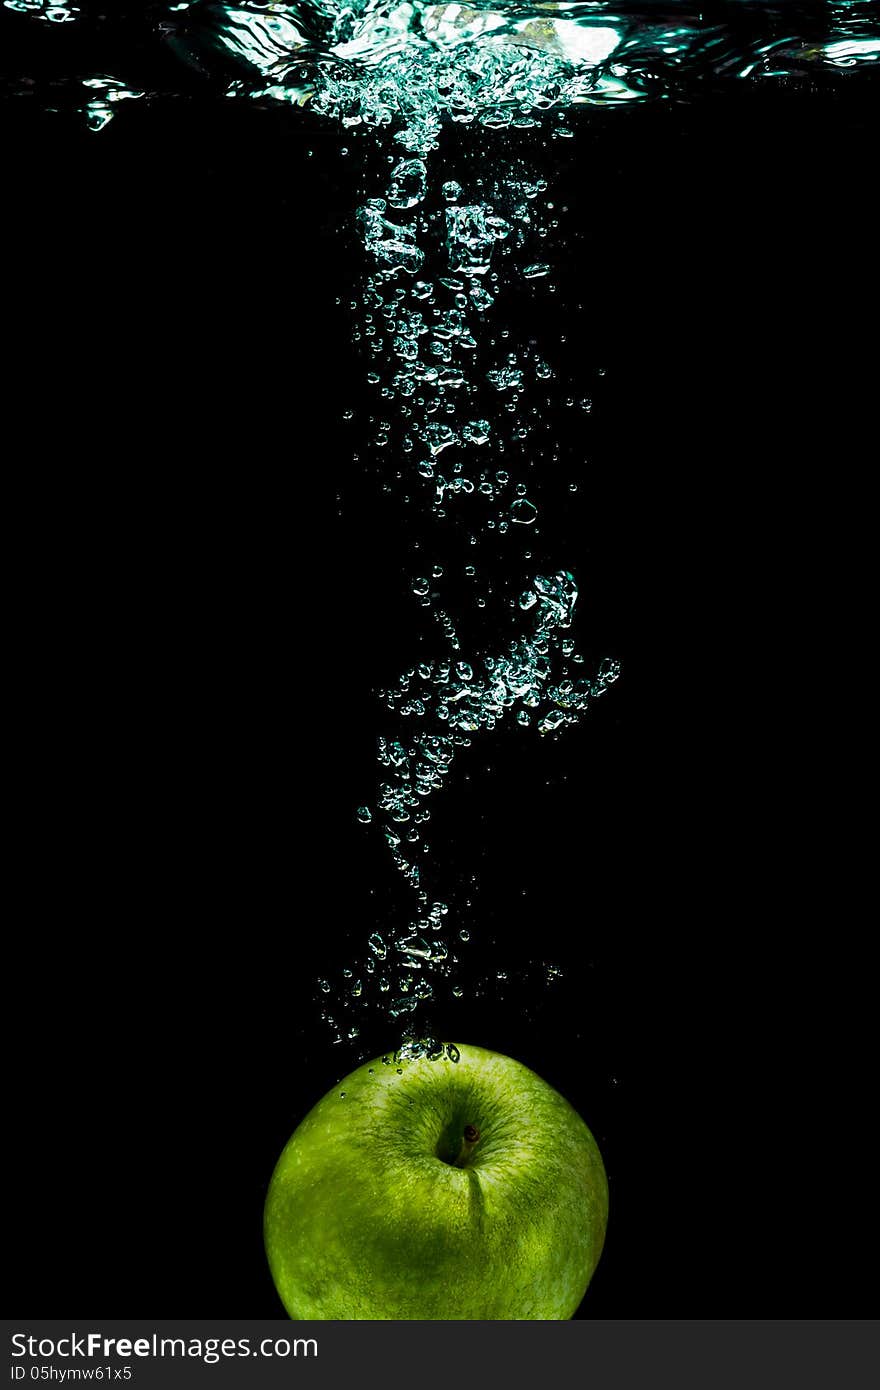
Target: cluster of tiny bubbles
point(446, 703)
point(451, 387)
point(413, 1049)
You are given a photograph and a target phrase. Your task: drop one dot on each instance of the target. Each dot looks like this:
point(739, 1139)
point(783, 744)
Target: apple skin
point(368, 1216)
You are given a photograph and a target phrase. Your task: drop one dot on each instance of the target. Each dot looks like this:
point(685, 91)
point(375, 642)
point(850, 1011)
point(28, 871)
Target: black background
point(204, 592)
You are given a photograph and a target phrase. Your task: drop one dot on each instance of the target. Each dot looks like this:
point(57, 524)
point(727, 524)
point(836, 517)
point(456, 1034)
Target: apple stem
point(470, 1140)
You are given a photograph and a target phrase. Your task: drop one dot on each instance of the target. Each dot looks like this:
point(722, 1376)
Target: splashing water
point(372, 62)
point(443, 246)
point(496, 62)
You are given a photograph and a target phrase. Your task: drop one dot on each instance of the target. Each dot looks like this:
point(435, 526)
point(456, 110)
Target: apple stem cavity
point(469, 1141)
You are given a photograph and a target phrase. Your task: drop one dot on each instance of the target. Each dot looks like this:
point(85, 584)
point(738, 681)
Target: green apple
point(437, 1189)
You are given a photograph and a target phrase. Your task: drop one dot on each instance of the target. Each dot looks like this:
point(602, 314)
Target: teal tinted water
point(492, 54)
point(499, 63)
point(463, 399)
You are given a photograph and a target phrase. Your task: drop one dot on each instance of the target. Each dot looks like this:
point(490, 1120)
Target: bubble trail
point(458, 430)
point(450, 383)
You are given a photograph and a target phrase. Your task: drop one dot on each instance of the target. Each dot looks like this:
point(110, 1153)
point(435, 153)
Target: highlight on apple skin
point(437, 1189)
